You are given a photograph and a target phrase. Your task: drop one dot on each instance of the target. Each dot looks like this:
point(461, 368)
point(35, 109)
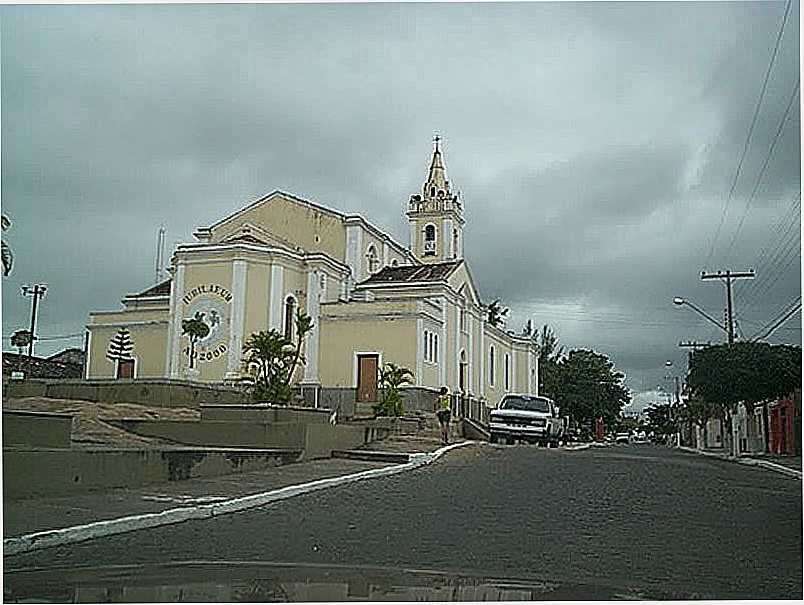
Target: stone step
point(372, 456)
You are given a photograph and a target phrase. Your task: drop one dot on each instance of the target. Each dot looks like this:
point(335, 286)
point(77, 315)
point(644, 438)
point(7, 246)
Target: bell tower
point(436, 216)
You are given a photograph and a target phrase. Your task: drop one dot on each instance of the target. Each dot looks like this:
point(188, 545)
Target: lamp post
point(683, 301)
point(36, 291)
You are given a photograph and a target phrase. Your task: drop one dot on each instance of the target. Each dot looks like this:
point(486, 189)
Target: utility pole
point(37, 291)
point(727, 276)
point(691, 344)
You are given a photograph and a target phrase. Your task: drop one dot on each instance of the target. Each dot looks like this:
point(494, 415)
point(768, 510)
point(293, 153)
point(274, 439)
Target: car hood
point(519, 414)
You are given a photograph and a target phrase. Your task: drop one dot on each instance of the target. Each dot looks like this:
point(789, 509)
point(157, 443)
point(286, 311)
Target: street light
point(683, 301)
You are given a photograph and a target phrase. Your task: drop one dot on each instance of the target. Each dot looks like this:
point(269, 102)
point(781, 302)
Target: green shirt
point(443, 402)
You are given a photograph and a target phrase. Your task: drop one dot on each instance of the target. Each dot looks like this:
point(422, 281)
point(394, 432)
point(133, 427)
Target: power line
point(786, 244)
point(786, 223)
point(771, 330)
point(785, 308)
point(765, 164)
point(750, 132)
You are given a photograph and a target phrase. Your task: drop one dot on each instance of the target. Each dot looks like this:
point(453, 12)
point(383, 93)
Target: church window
point(507, 372)
point(290, 314)
point(394, 263)
point(432, 191)
point(373, 260)
point(430, 240)
point(454, 243)
point(491, 366)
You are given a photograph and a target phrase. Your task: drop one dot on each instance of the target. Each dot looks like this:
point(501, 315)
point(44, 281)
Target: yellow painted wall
point(150, 346)
point(218, 272)
point(258, 277)
point(311, 229)
point(395, 338)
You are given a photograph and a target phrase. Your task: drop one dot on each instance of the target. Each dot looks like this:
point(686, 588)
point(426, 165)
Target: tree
point(391, 378)
point(8, 256)
point(660, 419)
point(270, 354)
point(699, 411)
point(304, 324)
point(195, 329)
point(274, 358)
point(21, 339)
point(120, 346)
point(588, 387)
point(550, 353)
point(496, 313)
point(744, 372)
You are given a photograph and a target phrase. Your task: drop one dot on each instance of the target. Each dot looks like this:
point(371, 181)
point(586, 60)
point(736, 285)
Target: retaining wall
point(263, 413)
point(342, 400)
point(54, 472)
point(155, 392)
point(36, 429)
point(316, 440)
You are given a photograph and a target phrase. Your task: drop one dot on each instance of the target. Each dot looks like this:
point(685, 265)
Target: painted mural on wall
point(210, 303)
point(121, 346)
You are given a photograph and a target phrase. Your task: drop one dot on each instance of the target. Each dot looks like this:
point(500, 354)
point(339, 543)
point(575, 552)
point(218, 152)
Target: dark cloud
point(595, 145)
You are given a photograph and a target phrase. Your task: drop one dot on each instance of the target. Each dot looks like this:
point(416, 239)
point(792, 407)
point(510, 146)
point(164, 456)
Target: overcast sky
point(595, 146)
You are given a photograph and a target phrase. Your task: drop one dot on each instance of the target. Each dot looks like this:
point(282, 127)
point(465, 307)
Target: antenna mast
point(160, 254)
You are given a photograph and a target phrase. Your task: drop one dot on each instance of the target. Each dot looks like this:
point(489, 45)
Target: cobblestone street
point(636, 519)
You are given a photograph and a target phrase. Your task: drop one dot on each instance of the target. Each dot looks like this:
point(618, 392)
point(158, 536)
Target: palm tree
point(195, 329)
point(8, 256)
point(21, 339)
point(392, 377)
point(496, 313)
point(304, 323)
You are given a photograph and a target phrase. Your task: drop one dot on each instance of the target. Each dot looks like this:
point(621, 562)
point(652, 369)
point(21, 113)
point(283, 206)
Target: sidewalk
point(31, 523)
point(787, 465)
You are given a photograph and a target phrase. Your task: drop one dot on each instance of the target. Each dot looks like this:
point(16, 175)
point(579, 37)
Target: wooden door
point(125, 368)
point(367, 366)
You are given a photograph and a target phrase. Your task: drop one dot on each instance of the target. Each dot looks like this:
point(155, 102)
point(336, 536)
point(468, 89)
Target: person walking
point(443, 413)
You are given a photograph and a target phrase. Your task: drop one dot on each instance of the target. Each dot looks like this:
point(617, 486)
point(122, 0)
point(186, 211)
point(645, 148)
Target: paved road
point(638, 520)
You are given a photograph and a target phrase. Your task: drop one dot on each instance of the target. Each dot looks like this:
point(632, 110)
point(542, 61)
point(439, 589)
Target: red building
point(785, 423)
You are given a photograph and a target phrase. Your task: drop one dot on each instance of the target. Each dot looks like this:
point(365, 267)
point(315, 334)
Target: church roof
point(161, 289)
point(433, 272)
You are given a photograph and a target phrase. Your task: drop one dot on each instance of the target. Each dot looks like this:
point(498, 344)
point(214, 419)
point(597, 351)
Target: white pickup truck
point(528, 418)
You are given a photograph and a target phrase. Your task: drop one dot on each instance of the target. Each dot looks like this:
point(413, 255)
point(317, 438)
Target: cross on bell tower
point(436, 216)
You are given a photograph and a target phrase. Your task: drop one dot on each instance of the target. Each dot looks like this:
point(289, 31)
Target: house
point(372, 301)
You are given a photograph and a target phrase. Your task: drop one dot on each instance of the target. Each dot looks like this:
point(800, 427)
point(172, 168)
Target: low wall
point(154, 392)
point(315, 440)
point(36, 429)
point(60, 472)
point(218, 433)
point(263, 413)
point(342, 400)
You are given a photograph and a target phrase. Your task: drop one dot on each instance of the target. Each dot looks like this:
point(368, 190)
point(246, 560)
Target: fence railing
point(471, 408)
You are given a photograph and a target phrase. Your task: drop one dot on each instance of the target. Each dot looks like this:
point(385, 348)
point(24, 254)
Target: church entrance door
point(367, 366)
point(125, 368)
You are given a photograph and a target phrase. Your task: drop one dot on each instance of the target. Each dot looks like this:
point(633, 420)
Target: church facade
point(371, 299)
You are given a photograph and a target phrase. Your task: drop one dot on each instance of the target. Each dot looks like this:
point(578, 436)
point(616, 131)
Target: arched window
point(507, 372)
point(373, 261)
point(290, 315)
point(430, 240)
point(454, 243)
point(491, 365)
point(432, 191)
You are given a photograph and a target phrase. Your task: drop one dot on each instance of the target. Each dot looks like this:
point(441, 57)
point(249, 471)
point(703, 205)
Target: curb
point(790, 472)
point(576, 448)
point(79, 533)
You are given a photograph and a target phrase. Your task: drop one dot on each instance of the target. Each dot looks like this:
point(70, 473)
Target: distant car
point(526, 417)
point(622, 438)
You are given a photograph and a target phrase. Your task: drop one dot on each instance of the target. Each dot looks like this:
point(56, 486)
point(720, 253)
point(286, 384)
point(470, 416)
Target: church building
point(371, 299)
